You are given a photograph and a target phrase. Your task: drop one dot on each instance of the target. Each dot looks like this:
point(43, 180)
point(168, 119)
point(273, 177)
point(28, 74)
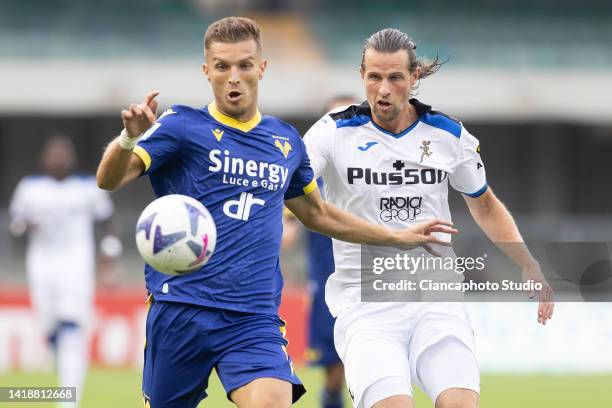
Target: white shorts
point(59, 294)
point(388, 347)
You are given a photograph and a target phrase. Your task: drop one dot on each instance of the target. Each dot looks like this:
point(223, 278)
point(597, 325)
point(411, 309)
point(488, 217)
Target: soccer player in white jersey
point(392, 146)
point(57, 210)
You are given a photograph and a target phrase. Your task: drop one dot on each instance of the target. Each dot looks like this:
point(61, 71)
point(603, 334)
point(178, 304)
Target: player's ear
point(262, 68)
point(205, 70)
point(416, 74)
point(361, 71)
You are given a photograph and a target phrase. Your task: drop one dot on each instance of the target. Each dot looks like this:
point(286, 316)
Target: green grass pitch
point(121, 388)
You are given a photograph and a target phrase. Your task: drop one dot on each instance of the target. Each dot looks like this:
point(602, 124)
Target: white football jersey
point(61, 214)
point(394, 180)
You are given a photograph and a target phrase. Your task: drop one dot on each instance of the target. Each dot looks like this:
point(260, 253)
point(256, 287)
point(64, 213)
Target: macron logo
point(241, 209)
point(218, 133)
point(367, 146)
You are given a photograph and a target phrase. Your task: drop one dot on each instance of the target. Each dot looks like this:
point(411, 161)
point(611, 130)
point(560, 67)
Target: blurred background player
point(320, 264)
point(57, 211)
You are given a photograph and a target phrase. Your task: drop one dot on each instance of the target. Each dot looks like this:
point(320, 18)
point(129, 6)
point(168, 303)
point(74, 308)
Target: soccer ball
point(176, 234)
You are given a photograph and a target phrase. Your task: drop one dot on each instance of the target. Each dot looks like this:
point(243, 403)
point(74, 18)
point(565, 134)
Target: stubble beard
point(387, 116)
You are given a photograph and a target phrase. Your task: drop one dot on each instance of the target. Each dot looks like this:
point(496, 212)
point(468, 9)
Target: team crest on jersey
point(284, 147)
point(425, 148)
point(218, 133)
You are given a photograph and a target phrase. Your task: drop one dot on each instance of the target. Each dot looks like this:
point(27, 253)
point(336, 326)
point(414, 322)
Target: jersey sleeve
point(318, 142)
point(19, 214)
point(159, 144)
point(469, 176)
point(303, 180)
point(18, 205)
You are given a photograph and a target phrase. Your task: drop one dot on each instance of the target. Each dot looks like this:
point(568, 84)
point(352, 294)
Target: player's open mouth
point(234, 96)
point(383, 105)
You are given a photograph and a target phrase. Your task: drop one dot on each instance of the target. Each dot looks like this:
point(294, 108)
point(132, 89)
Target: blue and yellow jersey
point(242, 172)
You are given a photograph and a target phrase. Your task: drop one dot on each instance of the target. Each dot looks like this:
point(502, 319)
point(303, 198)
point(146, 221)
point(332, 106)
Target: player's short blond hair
point(232, 30)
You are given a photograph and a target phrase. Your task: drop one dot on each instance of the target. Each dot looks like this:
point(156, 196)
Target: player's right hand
point(533, 273)
point(420, 235)
point(140, 117)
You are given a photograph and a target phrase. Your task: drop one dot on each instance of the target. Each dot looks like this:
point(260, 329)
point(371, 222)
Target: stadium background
point(532, 81)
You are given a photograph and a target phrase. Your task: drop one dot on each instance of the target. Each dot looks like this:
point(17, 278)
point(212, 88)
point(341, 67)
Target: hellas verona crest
point(284, 146)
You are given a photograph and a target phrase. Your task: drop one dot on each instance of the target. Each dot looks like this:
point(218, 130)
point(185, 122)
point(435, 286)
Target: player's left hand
point(546, 305)
point(420, 235)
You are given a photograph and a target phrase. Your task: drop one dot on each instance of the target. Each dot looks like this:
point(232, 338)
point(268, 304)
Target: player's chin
point(386, 114)
point(235, 108)
point(239, 103)
point(235, 101)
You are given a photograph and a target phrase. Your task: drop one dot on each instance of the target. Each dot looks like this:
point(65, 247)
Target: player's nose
point(384, 90)
point(234, 77)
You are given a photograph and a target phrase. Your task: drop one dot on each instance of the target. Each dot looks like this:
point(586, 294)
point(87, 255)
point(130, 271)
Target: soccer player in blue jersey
point(242, 166)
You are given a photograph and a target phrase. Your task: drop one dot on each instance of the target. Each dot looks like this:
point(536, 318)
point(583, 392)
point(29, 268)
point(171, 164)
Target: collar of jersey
point(397, 135)
point(232, 122)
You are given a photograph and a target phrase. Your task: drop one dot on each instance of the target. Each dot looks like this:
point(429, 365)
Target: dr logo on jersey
point(241, 209)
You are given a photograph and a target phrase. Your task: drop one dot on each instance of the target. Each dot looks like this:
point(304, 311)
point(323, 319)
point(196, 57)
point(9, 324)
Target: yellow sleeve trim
point(144, 156)
point(312, 186)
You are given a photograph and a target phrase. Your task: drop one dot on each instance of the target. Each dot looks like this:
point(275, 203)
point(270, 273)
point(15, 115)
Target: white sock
point(72, 359)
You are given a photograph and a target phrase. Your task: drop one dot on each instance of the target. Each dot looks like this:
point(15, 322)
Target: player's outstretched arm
point(497, 223)
point(119, 165)
point(328, 219)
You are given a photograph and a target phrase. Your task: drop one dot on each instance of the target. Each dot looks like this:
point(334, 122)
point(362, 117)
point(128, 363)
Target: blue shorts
point(321, 349)
point(184, 342)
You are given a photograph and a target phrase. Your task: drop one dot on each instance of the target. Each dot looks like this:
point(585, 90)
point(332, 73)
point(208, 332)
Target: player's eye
point(396, 77)
point(246, 65)
point(221, 67)
point(374, 77)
